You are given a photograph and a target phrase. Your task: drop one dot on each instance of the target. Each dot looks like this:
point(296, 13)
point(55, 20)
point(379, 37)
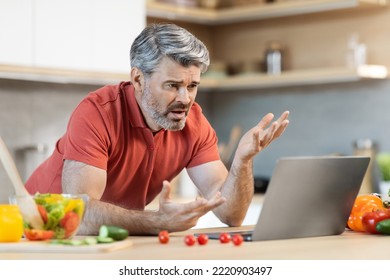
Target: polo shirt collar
point(133, 110)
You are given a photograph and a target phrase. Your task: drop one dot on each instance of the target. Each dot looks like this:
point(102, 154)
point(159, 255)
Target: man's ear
point(137, 79)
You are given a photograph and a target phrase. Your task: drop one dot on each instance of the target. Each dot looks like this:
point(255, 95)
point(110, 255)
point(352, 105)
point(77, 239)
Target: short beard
point(158, 115)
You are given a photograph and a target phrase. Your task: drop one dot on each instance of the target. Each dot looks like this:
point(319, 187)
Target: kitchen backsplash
point(34, 115)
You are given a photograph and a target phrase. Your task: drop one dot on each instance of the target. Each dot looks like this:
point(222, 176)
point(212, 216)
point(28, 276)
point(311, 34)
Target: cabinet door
point(86, 35)
point(62, 31)
point(16, 32)
point(115, 26)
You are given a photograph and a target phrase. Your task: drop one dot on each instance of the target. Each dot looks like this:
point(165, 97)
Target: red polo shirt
point(107, 130)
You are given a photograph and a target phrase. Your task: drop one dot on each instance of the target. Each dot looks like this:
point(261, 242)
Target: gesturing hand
point(182, 216)
point(260, 136)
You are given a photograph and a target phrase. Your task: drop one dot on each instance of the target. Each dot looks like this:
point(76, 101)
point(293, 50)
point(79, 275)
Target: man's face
point(169, 94)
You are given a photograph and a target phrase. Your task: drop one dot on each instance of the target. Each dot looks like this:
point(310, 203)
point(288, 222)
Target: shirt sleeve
point(87, 137)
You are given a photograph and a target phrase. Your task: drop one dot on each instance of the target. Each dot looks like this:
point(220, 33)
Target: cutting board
point(25, 246)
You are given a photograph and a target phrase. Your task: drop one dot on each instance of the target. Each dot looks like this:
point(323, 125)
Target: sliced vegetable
point(90, 241)
point(60, 213)
point(38, 234)
point(70, 223)
point(42, 211)
point(101, 239)
point(75, 242)
point(114, 232)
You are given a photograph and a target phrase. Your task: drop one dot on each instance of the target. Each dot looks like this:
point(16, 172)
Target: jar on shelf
point(274, 58)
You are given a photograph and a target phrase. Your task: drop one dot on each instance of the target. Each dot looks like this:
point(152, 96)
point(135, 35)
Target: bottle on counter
point(367, 147)
point(356, 55)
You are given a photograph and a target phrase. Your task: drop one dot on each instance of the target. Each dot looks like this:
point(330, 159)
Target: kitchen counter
point(347, 246)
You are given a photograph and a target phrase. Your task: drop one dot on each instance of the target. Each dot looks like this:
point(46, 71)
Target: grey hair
point(159, 40)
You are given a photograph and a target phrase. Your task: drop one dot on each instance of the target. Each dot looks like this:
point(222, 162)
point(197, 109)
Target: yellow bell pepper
point(11, 223)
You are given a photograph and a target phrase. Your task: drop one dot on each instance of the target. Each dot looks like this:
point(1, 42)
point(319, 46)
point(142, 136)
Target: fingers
point(283, 116)
point(282, 127)
point(266, 136)
point(184, 215)
point(281, 124)
point(265, 121)
point(201, 206)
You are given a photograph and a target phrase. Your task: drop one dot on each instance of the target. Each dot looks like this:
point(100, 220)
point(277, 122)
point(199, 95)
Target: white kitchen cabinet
point(86, 35)
point(63, 34)
point(16, 32)
point(67, 41)
point(115, 26)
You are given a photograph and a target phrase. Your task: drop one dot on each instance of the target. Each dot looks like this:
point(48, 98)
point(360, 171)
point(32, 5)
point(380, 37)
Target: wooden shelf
point(252, 12)
point(239, 82)
point(295, 78)
point(59, 76)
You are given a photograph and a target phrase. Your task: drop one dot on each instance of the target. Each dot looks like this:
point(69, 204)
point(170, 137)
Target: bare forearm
point(137, 222)
point(238, 190)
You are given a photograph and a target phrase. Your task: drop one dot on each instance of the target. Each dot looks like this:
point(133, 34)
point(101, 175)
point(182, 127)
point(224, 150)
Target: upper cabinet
point(68, 41)
point(15, 32)
point(316, 33)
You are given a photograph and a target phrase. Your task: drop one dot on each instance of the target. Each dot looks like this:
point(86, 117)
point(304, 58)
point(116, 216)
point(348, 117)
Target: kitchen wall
point(324, 119)
point(33, 113)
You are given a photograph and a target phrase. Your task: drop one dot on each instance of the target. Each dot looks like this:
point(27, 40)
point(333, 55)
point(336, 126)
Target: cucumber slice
point(90, 241)
point(114, 232)
point(104, 239)
point(71, 242)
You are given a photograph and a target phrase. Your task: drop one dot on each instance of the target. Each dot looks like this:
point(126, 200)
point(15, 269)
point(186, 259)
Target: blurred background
point(323, 60)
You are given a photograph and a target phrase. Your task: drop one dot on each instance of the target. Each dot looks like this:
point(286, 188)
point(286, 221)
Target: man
point(124, 144)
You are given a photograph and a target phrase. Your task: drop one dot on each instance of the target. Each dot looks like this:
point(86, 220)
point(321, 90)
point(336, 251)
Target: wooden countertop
point(348, 246)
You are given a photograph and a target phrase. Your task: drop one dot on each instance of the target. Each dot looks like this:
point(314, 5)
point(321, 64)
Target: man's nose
point(183, 95)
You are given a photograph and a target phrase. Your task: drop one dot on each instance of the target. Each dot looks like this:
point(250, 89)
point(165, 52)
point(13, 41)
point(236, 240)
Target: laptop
point(308, 197)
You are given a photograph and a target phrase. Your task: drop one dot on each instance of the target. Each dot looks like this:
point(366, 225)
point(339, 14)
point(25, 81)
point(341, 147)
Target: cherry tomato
point(237, 239)
point(370, 219)
point(189, 240)
point(163, 236)
point(224, 237)
point(203, 239)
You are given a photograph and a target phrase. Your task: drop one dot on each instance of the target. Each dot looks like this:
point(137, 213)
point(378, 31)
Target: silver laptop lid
point(310, 196)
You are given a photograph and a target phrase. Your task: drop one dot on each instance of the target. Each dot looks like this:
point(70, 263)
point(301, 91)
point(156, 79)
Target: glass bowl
point(61, 214)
